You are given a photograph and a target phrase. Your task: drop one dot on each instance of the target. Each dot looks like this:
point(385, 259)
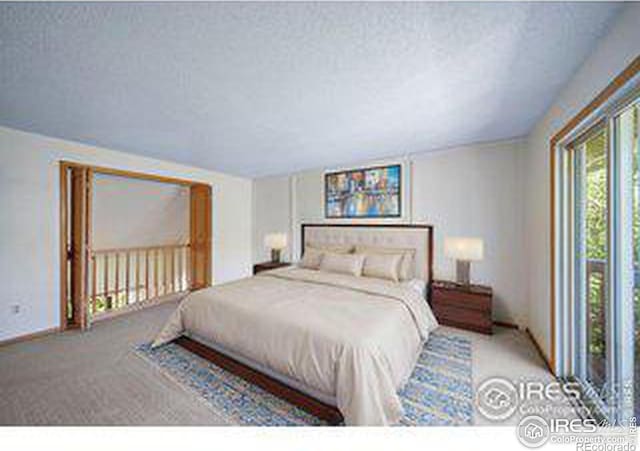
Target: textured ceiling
point(266, 88)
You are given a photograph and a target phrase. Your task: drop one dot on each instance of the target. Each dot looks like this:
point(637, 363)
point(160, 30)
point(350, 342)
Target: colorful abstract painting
point(364, 193)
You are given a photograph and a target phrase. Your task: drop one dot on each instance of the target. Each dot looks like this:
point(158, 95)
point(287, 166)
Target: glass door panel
point(627, 126)
point(592, 261)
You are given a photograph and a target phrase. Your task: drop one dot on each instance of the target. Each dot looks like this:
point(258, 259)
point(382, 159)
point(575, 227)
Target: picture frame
point(364, 193)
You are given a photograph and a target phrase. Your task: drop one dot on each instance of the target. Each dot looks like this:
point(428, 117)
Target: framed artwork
point(374, 192)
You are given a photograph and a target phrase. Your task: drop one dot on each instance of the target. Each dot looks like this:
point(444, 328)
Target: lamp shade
point(275, 240)
point(462, 248)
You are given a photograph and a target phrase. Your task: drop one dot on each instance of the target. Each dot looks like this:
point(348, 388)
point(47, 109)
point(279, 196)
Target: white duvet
point(353, 338)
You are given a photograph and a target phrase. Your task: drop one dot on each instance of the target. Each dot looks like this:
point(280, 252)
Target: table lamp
point(464, 250)
point(276, 242)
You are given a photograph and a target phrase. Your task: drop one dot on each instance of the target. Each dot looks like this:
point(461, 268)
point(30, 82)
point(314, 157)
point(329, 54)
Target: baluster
point(146, 274)
point(117, 288)
point(188, 264)
point(94, 283)
point(138, 275)
point(107, 299)
point(127, 276)
point(155, 272)
point(164, 271)
point(180, 255)
point(185, 250)
point(172, 253)
point(168, 273)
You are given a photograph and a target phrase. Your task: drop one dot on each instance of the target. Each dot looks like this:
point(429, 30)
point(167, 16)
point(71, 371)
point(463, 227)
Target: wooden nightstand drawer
point(462, 300)
point(463, 318)
point(466, 307)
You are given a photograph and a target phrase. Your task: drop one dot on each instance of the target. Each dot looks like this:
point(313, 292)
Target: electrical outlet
point(15, 309)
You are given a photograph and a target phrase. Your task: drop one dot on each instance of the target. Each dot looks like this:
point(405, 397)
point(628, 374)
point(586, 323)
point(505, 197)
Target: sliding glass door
point(599, 259)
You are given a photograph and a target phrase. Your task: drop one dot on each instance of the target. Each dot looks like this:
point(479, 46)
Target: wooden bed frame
point(309, 404)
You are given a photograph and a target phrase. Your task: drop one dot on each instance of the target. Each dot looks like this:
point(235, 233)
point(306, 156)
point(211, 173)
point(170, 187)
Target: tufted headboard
point(402, 236)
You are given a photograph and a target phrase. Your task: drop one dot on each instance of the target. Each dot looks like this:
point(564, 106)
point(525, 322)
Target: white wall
point(131, 212)
point(474, 190)
point(612, 55)
point(477, 191)
point(272, 204)
point(29, 222)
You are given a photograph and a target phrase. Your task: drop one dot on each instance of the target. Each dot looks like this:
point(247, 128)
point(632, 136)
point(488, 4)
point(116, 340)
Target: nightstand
point(465, 307)
point(266, 266)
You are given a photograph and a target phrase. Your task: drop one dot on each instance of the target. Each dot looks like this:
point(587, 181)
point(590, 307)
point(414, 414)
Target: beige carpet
point(95, 378)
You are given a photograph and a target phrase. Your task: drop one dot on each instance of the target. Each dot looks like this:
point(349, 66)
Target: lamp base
point(463, 269)
point(275, 255)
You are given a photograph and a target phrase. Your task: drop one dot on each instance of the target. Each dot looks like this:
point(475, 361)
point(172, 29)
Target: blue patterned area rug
point(439, 392)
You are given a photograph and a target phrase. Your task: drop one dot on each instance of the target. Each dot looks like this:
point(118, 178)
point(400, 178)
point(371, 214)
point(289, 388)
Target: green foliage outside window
point(596, 247)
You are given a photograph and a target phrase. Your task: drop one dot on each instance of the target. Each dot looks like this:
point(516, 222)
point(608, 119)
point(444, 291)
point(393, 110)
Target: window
point(597, 231)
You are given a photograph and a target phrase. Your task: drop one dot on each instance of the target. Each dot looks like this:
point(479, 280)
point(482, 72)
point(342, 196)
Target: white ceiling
point(265, 88)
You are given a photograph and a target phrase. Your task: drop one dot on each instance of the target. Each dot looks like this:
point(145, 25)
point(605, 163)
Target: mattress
point(348, 341)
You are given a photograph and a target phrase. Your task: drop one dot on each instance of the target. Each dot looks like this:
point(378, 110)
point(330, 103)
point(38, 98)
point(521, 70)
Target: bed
point(320, 339)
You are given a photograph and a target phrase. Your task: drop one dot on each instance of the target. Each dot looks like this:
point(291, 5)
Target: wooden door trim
point(78, 222)
point(64, 244)
point(201, 249)
point(611, 89)
point(64, 210)
point(134, 174)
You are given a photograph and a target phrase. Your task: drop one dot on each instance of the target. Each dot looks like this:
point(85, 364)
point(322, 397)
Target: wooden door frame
point(205, 242)
point(64, 243)
point(200, 236)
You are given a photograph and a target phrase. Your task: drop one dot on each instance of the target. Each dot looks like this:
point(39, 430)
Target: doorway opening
point(128, 240)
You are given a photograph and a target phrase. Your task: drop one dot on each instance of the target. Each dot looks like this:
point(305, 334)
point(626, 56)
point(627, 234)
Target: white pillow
point(382, 266)
point(342, 263)
point(407, 264)
point(311, 258)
